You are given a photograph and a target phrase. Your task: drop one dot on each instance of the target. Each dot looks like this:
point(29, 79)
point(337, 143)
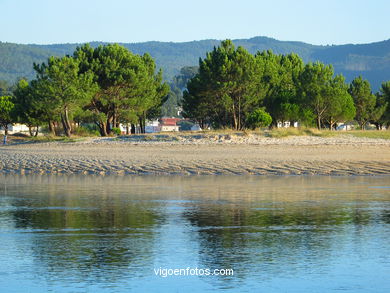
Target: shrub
point(116, 131)
point(85, 131)
point(258, 118)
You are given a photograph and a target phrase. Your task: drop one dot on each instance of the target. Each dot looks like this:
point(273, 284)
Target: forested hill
point(372, 61)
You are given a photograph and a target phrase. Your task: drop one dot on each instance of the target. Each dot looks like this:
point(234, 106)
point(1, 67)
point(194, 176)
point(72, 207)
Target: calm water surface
point(278, 234)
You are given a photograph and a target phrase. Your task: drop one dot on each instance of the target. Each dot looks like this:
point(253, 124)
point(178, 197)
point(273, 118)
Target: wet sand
point(260, 156)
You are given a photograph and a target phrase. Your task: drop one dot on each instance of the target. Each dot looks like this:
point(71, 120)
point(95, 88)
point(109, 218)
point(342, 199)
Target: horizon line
point(183, 42)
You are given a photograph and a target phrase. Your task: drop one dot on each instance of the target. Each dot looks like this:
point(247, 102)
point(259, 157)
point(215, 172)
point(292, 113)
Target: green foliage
point(382, 111)
point(316, 89)
point(116, 130)
point(232, 83)
point(370, 60)
point(86, 131)
point(61, 82)
point(258, 118)
point(128, 87)
point(280, 84)
point(225, 89)
point(306, 117)
point(171, 106)
point(175, 96)
point(364, 100)
point(339, 104)
point(107, 85)
point(28, 111)
point(186, 73)
point(6, 108)
point(16, 60)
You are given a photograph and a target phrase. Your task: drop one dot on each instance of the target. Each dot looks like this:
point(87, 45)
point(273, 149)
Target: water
point(278, 234)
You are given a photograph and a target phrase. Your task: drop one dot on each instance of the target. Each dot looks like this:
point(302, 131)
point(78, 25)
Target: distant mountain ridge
point(372, 61)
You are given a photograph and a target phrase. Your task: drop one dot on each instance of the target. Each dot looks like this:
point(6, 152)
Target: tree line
point(238, 90)
point(231, 88)
point(106, 86)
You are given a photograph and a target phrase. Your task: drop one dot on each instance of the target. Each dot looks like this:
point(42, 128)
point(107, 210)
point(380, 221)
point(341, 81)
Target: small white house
point(126, 127)
point(284, 124)
point(123, 127)
point(169, 124)
point(344, 127)
point(152, 126)
point(15, 128)
point(287, 124)
point(169, 128)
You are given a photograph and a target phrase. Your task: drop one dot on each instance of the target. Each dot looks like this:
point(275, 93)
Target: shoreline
point(296, 156)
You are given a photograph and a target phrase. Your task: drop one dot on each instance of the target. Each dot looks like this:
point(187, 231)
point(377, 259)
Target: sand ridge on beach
point(215, 155)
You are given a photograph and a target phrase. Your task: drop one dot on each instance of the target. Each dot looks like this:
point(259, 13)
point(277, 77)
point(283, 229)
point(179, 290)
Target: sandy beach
point(297, 155)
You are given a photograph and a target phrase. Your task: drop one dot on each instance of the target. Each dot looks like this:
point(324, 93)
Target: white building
point(15, 128)
point(344, 127)
point(169, 124)
point(152, 126)
point(286, 124)
point(170, 128)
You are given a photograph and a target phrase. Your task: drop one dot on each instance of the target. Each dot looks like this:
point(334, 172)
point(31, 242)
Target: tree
point(280, 81)
point(316, 89)
point(178, 85)
point(127, 85)
point(340, 106)
point(196, 104)
point(62, 82)
point(382, 109)
point(170, 107)
point(258, 118)
point(45, 106)
point(6, 108)
point(26, 110)
point(225, 89)
point(154, 92)
point(186, 73)
point(364, 100)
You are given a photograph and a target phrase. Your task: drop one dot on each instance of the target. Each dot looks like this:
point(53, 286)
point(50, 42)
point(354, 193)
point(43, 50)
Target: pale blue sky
point(316, 22)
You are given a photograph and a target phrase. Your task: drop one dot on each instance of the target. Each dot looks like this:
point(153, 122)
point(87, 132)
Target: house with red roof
point(169, 124)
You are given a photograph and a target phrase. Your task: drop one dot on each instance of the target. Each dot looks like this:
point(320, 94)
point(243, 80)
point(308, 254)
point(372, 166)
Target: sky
point(78, 21)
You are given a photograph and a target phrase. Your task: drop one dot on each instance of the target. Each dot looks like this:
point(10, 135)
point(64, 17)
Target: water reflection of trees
point(102, 230)
point(89, 238)
point(276, 239)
